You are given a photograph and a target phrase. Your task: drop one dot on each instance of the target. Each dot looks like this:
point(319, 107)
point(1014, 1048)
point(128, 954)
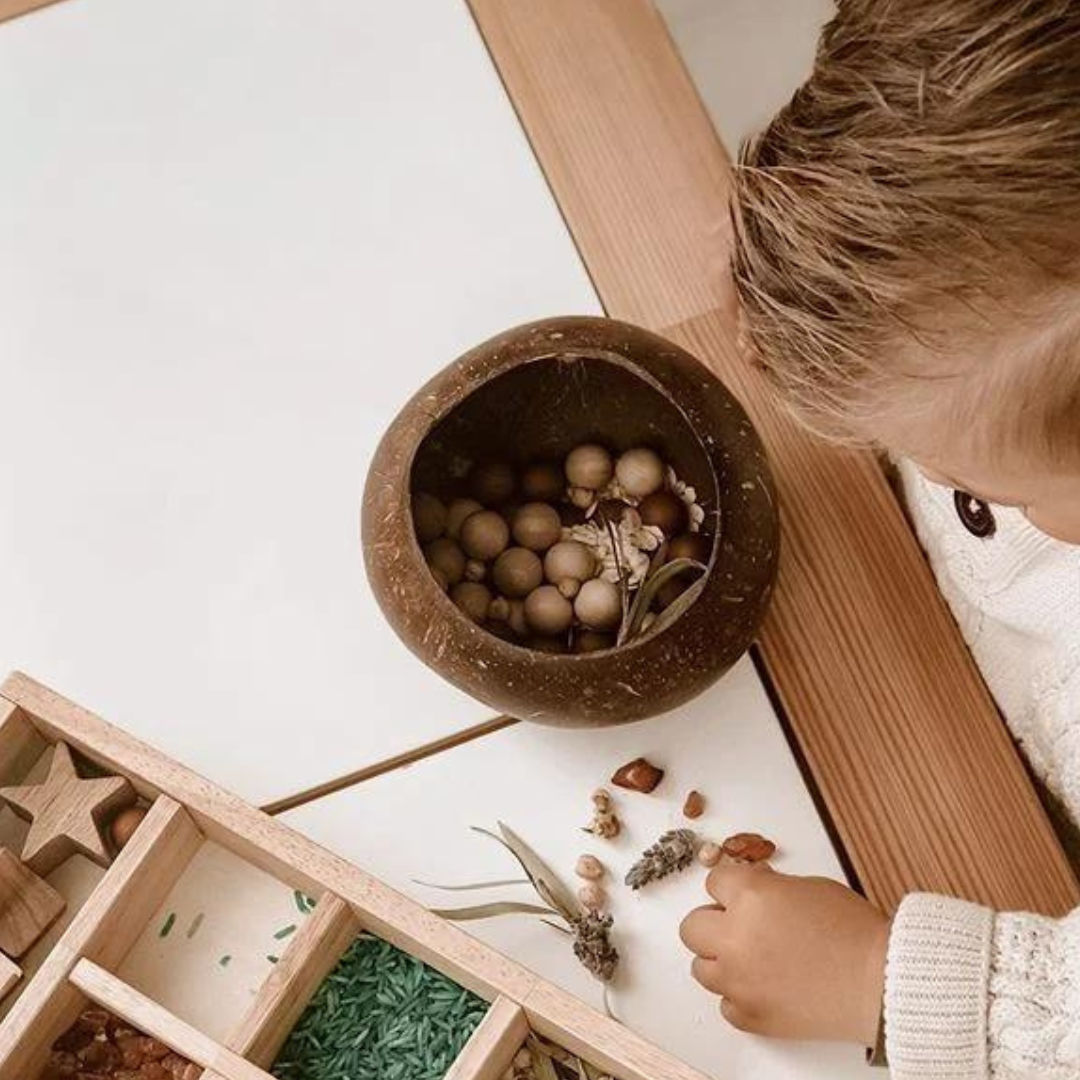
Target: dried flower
point(605, 824)
point(592, 945)
point(674, 851)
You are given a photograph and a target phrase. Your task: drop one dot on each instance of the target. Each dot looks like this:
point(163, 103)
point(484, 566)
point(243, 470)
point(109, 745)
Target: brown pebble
point(638, 775)
point(694, 806)
point(748, 847)
point(708, 854)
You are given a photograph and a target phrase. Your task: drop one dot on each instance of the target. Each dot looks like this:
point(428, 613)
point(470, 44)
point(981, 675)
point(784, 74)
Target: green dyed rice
point(380, 1015)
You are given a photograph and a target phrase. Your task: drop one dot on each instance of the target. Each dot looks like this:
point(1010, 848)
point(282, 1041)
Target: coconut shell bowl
point(500, 502)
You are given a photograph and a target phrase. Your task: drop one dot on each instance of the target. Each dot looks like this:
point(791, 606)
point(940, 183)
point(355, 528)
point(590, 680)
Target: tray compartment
point(102, 930)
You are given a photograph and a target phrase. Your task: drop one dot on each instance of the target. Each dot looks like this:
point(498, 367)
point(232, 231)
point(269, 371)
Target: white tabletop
point(234, 239)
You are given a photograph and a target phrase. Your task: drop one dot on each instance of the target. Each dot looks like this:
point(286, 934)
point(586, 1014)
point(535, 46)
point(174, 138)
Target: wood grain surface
point(908, 753)
point(10, 9)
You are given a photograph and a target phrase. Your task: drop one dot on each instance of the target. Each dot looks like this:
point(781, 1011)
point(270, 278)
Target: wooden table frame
point(914, 769)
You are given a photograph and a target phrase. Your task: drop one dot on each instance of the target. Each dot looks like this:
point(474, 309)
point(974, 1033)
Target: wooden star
point(64, 813)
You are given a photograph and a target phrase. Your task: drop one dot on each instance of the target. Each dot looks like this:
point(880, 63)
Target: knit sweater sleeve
point(971, 994)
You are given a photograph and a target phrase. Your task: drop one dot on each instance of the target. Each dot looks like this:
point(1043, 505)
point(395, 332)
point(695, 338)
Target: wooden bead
point(695, 546)
point(569, 587)
point(589, 466)
point(517, 572)
point(492, 483)
point(475, 570)
point(124, 825)
point(457, 512)
point(543, 480)
point(548, 612)
point(666, 511)
point(445, 556)
point(599, 605)
point(640, 472)
point(537, 526)
point(589, 641)
point(429, 517)
point(473, 599)
point(569, 559)
point(484, 535)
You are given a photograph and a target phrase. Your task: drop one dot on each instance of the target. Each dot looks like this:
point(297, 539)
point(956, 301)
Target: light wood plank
point(902, 739)
point(10, 974)
point(103, 930)
point(310, 957)
point(106, 990)
point(491, 1049)
point(11, 9)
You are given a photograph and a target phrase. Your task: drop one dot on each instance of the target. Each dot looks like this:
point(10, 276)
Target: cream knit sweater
point(971, 993)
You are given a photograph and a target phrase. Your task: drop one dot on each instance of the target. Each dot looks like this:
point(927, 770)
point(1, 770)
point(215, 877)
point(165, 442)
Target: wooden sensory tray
point(187, 810)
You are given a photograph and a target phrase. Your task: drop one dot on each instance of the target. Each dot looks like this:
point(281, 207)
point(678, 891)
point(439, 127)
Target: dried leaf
point(555, 926)
point(544, 879)
point(472, 887)
point(676, 608)
point(542, 1066)
point(489, 911)
point(652, 585)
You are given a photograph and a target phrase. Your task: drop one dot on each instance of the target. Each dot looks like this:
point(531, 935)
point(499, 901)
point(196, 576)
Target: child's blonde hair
point(908, 227)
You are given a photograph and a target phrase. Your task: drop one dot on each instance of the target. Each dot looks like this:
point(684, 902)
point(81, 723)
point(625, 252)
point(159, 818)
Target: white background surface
point(234, 239)
point(414, 824)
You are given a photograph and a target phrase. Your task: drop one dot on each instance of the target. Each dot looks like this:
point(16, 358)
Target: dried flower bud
point(748, 847)
point(638, 775)
point(592, 945)
point(694, 806)
point(590, 868)
point(601, 798)
point(674, 851)
point(708, 854)
point(605, 825)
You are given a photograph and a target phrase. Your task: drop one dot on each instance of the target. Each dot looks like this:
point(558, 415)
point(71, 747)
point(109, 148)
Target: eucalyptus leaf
point(472, 887)
point(560, 896)
point(649, 590)
point(677, 607)
point(490, 911)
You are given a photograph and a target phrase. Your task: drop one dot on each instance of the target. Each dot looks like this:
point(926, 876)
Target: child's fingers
point(709, 973)
point(700, 931)
point(731, 879)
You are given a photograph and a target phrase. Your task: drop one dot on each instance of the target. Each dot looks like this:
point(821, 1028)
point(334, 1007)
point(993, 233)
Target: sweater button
point(975, 515)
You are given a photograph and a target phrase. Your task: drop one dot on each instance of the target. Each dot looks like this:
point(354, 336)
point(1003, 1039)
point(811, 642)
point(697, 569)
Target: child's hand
point(793, 957)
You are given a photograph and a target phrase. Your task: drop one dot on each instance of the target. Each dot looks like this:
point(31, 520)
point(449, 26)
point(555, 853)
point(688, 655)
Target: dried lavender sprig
point(674, 851)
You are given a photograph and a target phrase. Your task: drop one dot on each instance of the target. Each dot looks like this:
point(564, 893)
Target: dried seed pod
point(748, 847)
point(674, 851)
point(429, 517)
point(590, 868)
point(709, 854)
point(589, 466)
point(694, 806)
point(638, 775)
point(484, 535)
point(601, 799)
point(604, 824)
point(640, 472)
point(592, 896)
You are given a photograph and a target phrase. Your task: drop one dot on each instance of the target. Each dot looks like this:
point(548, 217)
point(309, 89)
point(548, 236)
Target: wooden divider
point(147, 1016)
point(902, 739)
point(491, 1049)
point(10, 974)
point(103, 931)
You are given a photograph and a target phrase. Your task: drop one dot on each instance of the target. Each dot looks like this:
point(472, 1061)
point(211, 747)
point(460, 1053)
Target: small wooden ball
point(445, 556)
point(548, 612)
point(590, 641)
point(589, 466)
point(666, 511)
point(569, 559)
point(499, 610)
point(640, 472)
point(599, 605)
point(543, 481)
point(690, 546)
point(517, 572)
point(123, 826)
point(569, 587)
point(457, 512)
point(473, 599)
point(492, 482)
point(429, 517)
point(475, 570)
point(537, 526)
point(516, 619)
point(500, 630)
point(484, 534)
